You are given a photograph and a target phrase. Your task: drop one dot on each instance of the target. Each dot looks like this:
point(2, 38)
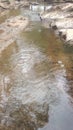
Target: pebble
point(62, 65)
point(59, 62)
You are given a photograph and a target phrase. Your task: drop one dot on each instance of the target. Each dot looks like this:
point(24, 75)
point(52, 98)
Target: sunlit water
point(36, 76)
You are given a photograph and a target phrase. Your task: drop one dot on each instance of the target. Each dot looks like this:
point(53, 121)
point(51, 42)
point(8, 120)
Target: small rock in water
point(59, 62)
point(62, 65)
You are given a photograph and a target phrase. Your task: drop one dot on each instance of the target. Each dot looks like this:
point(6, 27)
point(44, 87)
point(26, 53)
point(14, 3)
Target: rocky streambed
point(60, 18)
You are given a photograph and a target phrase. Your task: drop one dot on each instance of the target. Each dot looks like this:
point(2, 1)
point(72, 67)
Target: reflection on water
point(35, 75)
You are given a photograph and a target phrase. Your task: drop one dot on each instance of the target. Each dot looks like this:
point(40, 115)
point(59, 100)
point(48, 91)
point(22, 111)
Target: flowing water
point(36, 80)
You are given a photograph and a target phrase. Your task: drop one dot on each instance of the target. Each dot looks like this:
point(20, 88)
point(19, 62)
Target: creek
point(36, 79)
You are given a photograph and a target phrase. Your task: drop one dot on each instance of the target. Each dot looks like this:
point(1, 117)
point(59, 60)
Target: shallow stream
point(36, 80)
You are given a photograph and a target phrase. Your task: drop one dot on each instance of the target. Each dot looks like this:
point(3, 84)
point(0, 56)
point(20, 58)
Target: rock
point(59, 62)
point(65, 23)
point(34, 3)
point(62, 65)
point(61, 18)
point(10, 30)
point(66, 34)
point(4, 6)
point(69, 35)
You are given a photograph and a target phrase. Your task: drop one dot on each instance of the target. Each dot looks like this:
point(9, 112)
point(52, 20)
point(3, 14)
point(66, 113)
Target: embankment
point(60, 18)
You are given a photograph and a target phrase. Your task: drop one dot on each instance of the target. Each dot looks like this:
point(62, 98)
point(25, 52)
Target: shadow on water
point(35, 76)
